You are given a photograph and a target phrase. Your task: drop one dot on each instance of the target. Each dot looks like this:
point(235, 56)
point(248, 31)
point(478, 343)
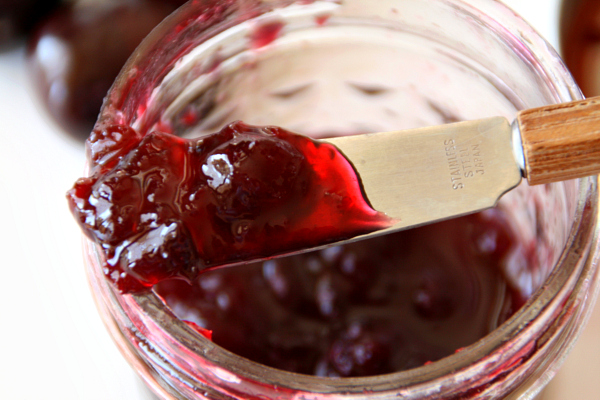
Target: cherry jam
point(371, 307)
point(161, 206)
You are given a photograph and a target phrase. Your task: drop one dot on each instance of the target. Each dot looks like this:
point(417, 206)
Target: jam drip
point(162, 206)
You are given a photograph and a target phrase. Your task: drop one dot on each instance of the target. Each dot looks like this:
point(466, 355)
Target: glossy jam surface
point(371, 307)
point(161, 206)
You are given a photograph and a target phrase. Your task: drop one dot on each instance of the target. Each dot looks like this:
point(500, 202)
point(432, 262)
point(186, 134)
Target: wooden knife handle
point(561, 141)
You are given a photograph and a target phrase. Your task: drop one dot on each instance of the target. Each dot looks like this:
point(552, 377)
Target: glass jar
point(330, 67)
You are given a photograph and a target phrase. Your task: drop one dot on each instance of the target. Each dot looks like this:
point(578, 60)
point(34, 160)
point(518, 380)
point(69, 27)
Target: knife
point(425, 175)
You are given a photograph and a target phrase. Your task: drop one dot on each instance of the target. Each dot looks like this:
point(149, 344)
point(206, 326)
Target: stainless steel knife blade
point(428, 174)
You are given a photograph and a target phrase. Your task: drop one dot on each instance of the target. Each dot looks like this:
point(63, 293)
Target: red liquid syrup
point(161, 206)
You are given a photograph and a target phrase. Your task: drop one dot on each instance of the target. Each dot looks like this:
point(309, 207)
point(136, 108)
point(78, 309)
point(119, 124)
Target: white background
point(53, 345)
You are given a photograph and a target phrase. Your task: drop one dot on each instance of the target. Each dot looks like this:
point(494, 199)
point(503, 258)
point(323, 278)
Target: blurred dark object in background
point(18, 17)
point(580, 42)
point(77, 52)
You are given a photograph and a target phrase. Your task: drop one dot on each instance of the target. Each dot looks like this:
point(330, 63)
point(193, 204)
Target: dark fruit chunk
point(76, 54)
point(359, 352)
point(18, 17)
point(162, 206)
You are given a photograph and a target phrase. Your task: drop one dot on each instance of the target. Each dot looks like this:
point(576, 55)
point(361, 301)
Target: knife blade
point(430, 174)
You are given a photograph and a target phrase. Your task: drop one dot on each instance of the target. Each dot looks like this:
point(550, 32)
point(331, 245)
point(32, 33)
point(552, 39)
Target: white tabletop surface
point(54, 345)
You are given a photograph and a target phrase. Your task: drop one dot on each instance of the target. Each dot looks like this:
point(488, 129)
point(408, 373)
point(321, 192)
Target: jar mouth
point(480, 364)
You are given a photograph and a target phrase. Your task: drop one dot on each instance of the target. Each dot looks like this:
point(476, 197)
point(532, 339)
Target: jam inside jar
point(453, 310)
point(371, 307)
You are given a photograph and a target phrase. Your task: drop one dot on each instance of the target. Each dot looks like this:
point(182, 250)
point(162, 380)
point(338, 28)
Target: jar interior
point(324, 69)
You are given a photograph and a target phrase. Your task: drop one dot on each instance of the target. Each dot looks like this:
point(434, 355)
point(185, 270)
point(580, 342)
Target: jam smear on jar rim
point(161, 206)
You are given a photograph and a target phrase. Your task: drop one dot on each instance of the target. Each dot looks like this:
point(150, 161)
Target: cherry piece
point(162, 206)
point(359, 352)
point(76, 54)
point(107, 145)
point(18, 17)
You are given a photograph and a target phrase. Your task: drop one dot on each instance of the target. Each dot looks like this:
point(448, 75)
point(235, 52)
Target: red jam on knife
point(162, 206)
